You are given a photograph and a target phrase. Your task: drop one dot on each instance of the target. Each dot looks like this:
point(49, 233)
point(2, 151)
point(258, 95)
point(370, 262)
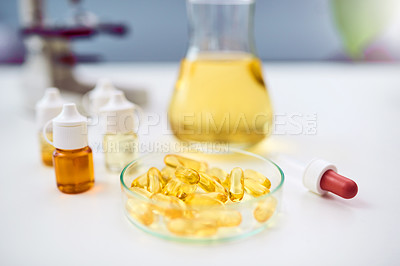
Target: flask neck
point(222, 26)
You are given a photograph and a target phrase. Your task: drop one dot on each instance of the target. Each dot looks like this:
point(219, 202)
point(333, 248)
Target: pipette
point(321, 177)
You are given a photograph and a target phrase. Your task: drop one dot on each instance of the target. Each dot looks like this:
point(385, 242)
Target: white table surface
point(358, 115)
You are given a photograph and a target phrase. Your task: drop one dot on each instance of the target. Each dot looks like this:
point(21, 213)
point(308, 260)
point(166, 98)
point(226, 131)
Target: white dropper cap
point(100, 95)
point(70, 129)
point(48, 107)
point(118, 114)
point(313, 174)
point(321, 177)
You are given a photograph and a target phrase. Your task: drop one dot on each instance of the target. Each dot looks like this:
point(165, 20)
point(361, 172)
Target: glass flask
point(220, 94)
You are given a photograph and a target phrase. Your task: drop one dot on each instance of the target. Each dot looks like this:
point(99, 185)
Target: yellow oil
point(119, 150)
point(221, 98)
point(46, 149)
point(74, 170)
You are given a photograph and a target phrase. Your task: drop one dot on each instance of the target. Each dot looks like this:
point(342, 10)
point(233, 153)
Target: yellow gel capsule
point(168, 173)
point(177, 188)
point(169, 206)
point(218, 173)
point(236, 184)
point(206, 183)
point(202, 201)
point(265, 209)
point(140, 182)
point(154, 180)
point(224, 218)
point(187, 175)
point(223, 197)
point(141, 191)
point(216, 179)
point(173, 160)
point(192, 227)
point(209, 184)
point(254, 188)
point(256, 176)
point(220, 188)
point(139, 211)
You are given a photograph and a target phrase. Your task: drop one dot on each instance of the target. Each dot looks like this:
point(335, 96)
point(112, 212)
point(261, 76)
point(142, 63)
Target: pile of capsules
point(193, 199)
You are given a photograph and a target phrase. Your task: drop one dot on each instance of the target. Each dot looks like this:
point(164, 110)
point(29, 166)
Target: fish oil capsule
point(140, 211)
point(236, 184)
point(206, 183)
point(171, 188)
point(140, 182)
point(254, 188)
point(192, 227)
point(223, 197)
point(218, 173)
point(169, 206)
point(265, 209)
point(154, 180)
point(216, 179)
point(173, 160)
point(141, 191)
point(256, 176)
point(187, 175)
point(220, 188)
point(202, 201)
point(209, 184)
point(224, 218)
point(177, 188)
point(168, 173)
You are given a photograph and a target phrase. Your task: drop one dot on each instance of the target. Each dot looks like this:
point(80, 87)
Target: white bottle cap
point(313, 173)
point(100, 95)
point(70, 129)
point(118, 114)
point(48, 107)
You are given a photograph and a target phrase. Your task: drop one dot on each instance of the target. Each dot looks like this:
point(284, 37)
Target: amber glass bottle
point(74, 170)
point(73, 159)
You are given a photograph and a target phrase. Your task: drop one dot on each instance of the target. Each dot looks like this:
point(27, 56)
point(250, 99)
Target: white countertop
point(357, 109)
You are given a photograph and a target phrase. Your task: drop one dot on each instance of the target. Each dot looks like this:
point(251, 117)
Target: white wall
point(285, 29)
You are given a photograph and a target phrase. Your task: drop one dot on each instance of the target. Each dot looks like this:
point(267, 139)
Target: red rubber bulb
point(339, 185)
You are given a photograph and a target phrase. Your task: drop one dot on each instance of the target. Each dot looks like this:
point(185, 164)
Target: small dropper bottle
point(99, 96)
point(92, 102)
point(46, 109)
point(73, 159)
point(119, 141)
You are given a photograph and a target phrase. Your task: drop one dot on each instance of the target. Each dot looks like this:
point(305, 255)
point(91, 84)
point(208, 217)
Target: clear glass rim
point(197, 240)
point(229, 150)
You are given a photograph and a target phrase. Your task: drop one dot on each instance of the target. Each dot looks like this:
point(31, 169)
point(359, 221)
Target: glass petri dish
point(154, 217)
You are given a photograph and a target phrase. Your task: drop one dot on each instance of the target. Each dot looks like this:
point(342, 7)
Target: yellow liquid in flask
point(221, 98)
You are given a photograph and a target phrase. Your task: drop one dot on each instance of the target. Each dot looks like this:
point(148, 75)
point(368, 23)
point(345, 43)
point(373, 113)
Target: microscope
point(50, 61)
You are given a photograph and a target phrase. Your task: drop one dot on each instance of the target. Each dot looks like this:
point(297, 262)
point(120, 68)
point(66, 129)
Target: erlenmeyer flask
point(220, 94)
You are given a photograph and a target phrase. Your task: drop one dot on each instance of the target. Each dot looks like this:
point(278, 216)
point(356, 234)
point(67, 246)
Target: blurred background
point(288, 30)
